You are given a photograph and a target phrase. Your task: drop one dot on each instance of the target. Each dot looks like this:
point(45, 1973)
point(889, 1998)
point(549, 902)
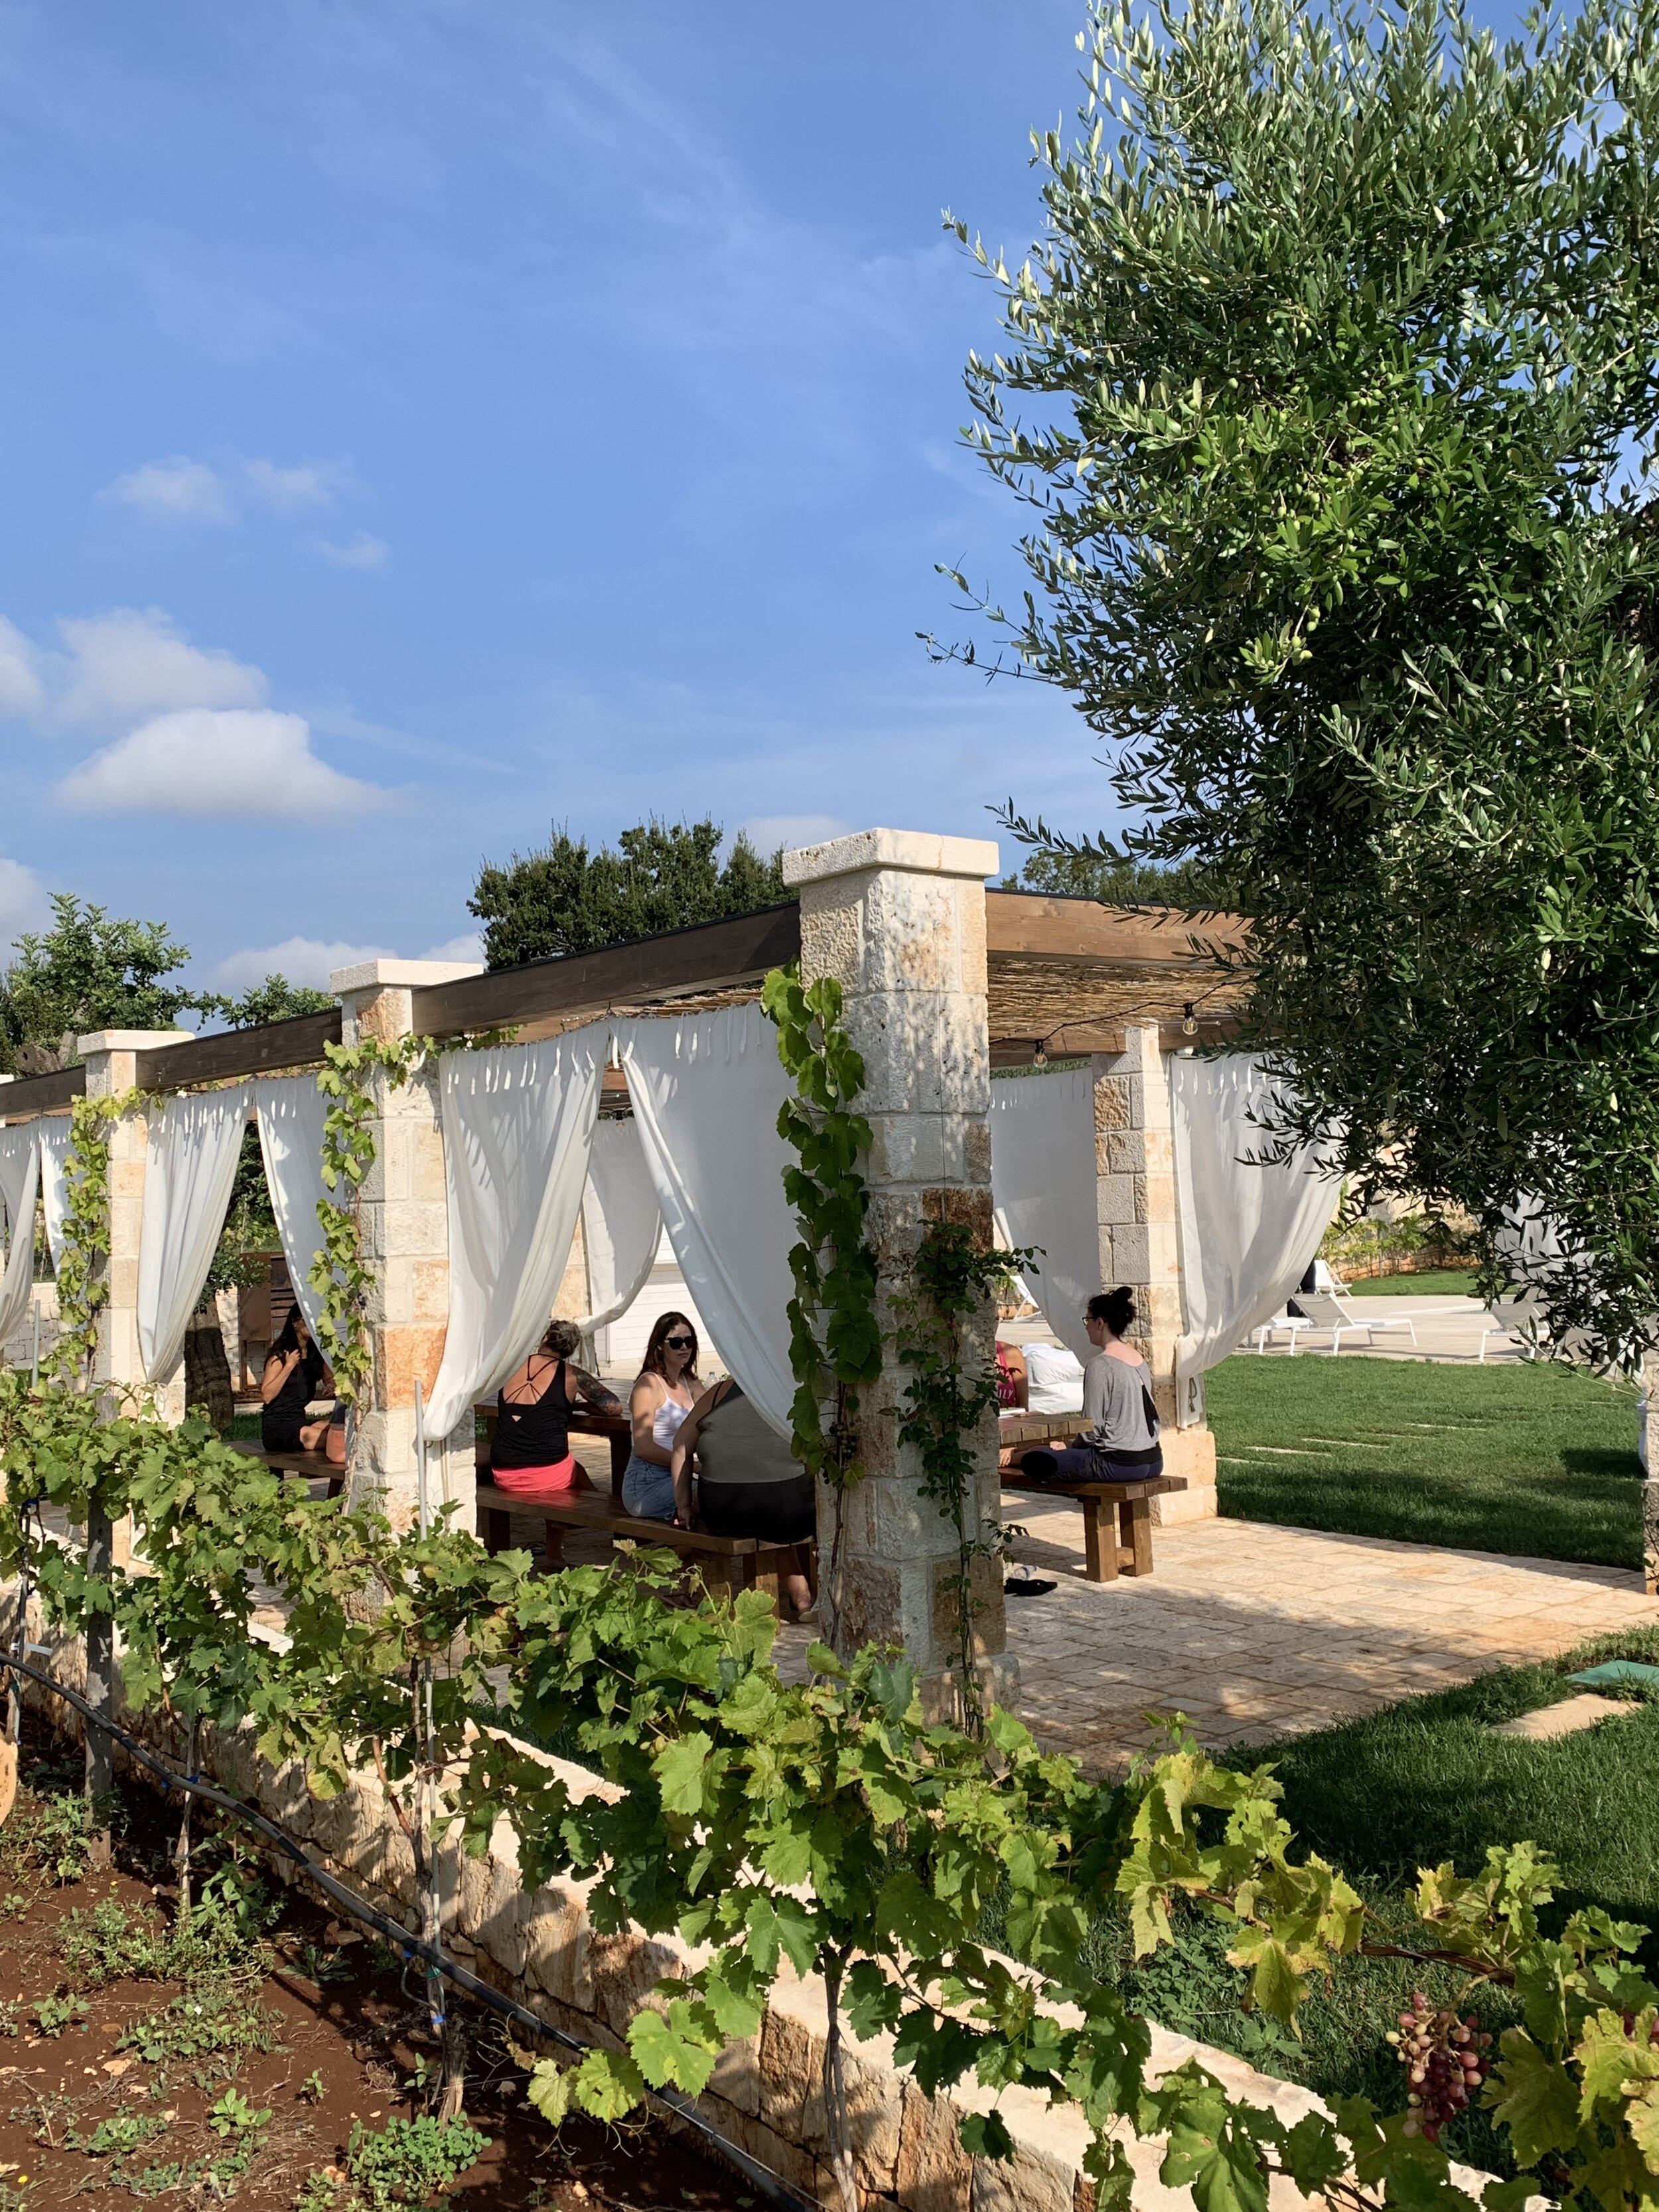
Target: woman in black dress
point(295, 1373)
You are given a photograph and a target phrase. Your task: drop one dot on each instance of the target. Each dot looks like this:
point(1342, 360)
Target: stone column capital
point(909, 851)
point(110, 1056)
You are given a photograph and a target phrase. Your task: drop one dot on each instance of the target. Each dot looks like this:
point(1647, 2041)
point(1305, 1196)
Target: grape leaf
point(550, 2091)
point(985, 2135)
point(1535, 2097)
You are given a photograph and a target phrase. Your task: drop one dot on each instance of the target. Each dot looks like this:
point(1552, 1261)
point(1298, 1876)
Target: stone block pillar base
point(898, 920)
point(405, 1245)
point(1140, 1247)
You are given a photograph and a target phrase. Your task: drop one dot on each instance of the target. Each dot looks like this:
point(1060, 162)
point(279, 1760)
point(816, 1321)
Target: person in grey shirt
point(1120, 1441)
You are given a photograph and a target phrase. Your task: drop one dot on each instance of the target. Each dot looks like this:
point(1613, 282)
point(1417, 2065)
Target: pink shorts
point(536, 1482)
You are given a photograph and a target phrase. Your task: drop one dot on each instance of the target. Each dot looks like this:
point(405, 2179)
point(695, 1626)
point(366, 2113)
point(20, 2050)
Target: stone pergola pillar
point(111, 1059)
point(1141, 1248)
point(404, 1225)
point(899, 919)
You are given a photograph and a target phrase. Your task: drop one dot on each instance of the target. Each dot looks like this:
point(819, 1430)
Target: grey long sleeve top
point(1114, 1413)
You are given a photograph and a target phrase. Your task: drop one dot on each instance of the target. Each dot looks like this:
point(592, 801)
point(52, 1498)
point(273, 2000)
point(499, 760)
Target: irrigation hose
point(771, 2185)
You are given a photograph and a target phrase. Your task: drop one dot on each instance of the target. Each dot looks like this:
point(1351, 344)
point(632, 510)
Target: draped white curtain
point(621, 1222)
point(1042, 1187)
point(518, 1129)
point(19, 1182)
point(707, 1089)
point(1248, 1228)
point(291, 1111)
point(54, 1135)
point(188, 1174)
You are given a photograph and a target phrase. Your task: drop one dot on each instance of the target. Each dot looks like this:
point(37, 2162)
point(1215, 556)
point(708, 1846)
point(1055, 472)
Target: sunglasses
point(679, 1343)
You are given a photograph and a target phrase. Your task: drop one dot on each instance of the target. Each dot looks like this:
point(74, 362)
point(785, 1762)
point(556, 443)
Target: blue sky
point(426, 420)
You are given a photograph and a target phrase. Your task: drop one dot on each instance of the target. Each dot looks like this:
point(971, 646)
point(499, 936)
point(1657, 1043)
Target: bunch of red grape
point(1445, 2062)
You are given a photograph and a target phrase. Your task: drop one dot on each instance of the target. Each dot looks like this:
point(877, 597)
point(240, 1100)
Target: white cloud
point(21, 688)
point(310, 960)
point(175, 490)
point(767, 832)
point(218, 763)
point(126, 663)
point(313, 483)
point(362, 552)
point(22, 900)
point(180, 490)
point(467, 946)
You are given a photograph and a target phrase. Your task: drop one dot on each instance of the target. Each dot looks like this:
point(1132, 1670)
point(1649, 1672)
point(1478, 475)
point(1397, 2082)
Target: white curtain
point(621, 1222)
point(1042, 1187)
point(291, 1112)
point(54, 1135)
point(1248, 1228)
point(190, 1167)
point(19, 1182)
point(518, 1127)
point(707, 1089)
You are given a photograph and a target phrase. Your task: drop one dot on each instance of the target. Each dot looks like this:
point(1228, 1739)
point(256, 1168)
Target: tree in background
point(1332, 387)
point(1097, 869)
point(89, 972)
point(276, 999)
point(663, 875)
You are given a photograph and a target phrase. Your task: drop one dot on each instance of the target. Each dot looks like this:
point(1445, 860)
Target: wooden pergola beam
point(714, 956)
point(1034, 925)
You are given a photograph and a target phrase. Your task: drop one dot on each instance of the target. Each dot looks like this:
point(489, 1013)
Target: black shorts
point(783, 1512)
point(279, 1429)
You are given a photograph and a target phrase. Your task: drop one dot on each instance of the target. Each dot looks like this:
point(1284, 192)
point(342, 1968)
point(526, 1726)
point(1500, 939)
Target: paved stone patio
point(1257, 1632)
point(1254, 1631)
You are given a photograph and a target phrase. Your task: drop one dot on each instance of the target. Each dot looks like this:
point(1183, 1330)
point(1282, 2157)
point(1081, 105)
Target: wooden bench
point(1124, 1546)
point(727, 1564)
point(308, 1464)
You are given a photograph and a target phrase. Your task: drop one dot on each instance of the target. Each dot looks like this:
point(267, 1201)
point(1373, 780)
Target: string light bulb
point(1188, 1020)
point(1039, 1055)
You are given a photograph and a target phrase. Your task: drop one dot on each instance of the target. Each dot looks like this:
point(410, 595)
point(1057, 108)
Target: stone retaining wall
point(539, 1946)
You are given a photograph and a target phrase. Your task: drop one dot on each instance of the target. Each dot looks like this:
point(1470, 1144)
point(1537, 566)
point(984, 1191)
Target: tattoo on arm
point(602, 1399)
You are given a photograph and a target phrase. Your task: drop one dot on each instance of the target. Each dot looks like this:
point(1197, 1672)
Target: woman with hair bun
point(530, 1454)
point(1120, 1440)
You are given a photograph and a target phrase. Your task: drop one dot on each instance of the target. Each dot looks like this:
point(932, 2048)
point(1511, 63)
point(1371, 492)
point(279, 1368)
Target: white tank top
point(665, 1422)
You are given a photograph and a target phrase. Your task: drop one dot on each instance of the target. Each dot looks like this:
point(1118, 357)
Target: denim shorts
point(648, 1491)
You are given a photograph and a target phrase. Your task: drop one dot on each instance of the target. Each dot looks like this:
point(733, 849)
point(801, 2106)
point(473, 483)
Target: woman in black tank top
point(530, 1452)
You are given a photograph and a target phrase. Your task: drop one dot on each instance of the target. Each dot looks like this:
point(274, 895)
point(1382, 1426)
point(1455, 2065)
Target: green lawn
point(1443, 1283)
point(1421, 1782)
point(1529, 1459)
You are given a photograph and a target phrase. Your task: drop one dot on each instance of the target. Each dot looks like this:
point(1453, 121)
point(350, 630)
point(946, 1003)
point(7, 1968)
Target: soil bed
point(240, 2058)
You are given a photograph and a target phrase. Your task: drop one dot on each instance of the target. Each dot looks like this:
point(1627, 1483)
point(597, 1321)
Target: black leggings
point(784, 1512)
point(1083, 1464)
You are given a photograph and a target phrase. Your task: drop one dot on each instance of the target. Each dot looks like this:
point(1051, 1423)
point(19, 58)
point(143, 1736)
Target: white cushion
point(1055, 1379)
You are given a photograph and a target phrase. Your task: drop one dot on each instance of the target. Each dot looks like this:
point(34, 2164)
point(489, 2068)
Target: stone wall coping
point(914, 851)
point(413, 974)
point(131, 1040)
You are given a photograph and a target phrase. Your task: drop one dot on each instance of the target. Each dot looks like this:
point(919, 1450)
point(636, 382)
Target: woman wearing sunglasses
point(660, 1400)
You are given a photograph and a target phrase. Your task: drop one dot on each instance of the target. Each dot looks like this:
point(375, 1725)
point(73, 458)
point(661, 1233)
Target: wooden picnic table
point(726, 1564)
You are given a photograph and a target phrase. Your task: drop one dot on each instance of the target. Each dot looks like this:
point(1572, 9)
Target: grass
point(1380, 1797)
point(1529, 1459)
point(1437, 1283)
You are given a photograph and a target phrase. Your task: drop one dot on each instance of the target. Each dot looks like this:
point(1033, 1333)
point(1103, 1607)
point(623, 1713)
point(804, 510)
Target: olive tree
point(1330, 387)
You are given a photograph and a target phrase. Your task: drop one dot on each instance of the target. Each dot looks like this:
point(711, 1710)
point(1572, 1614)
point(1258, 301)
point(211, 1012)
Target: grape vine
point(835, 1332)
